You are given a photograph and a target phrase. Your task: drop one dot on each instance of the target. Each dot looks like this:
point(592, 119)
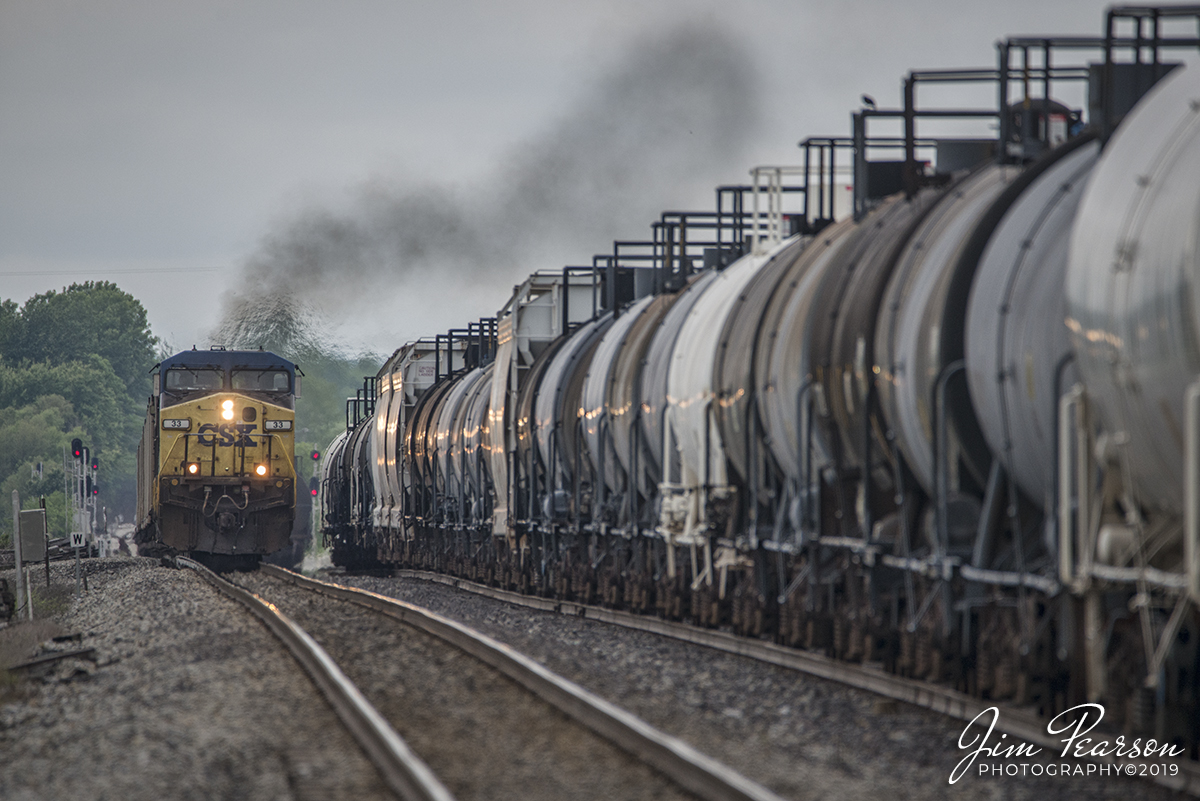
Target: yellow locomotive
point(215, 465)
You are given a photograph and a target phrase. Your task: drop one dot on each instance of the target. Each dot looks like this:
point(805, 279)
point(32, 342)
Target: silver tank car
point(1133, 292)
point(952, 428)
point(1016, 340)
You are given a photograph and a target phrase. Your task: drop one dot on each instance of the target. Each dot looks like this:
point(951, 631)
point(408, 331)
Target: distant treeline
point(72, 364)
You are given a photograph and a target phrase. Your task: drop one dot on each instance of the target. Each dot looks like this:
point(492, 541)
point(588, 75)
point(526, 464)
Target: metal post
point(860, 166)
point(45, 530)
point(1191, 488)
point(820, 182)
point(910, 137)
point(1002, 103)
point(1070, 406)
point(16, 507)
point(941, 454)
point(566, 299)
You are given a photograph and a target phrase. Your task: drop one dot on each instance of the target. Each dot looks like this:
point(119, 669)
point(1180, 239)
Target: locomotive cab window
point(261, 380)
point(273, 384)
point(184, 380)
point(184, 383)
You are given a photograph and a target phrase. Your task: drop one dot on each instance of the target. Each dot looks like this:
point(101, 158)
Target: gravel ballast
point(483, 735)
point(189, 697)
point(803, 737)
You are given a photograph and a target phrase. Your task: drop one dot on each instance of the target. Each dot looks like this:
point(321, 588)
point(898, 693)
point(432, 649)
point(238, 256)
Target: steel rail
point(402, 770)
point(679, 761)
point(1012, 721)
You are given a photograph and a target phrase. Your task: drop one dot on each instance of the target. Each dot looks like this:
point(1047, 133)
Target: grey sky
point(169, 136)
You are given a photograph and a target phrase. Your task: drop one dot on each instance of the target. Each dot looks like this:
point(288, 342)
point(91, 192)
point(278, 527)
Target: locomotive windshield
point(260, 380)
point(184, 380)
point(258, 374)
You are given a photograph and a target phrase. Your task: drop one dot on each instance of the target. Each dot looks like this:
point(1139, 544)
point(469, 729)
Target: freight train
point(955, 431)
point(216, 474)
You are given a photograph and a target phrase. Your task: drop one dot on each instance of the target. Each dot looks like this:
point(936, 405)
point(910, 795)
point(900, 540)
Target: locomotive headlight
point(176, 423)
point(260, 469)
point(193, 468)
point(227, 409)
point(277, 425)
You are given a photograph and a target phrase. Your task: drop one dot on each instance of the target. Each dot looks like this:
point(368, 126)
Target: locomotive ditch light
point(193, 468)
point(260, 470)
point(227, 409)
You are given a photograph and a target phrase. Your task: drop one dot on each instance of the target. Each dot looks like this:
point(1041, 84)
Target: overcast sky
point(161, 145)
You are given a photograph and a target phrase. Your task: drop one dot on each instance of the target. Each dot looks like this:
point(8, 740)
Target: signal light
point(316, 455)
point(95, 489)
point(95, 464)
point(77, 448)
point(312, 486)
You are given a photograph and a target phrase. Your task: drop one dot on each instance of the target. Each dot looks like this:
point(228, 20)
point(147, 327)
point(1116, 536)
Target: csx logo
point(227, 435)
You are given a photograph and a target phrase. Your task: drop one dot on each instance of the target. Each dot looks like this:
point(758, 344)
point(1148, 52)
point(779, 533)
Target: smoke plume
point(667, 122)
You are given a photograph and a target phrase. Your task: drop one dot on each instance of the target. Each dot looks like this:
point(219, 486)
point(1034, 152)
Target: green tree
point(95, 318)
point(29, 435)
point(9, 319)
point(89, 344)
point(96, 394)
point(321, 411)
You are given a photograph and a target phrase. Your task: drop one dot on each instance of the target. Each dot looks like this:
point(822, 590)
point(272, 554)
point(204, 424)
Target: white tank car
point(1133, 287)
point(381, 505)
point(785, 380)
point(476, 448)
point(532, 318)
point(556, 412)
point(1016, 340)
point(604, 401)
point(693, 452)
point(920, 327)
point(653, 391)
point(448, 444)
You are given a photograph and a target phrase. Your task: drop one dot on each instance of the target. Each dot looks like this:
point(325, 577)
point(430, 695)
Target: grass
point(51, 601)
point(19, 640)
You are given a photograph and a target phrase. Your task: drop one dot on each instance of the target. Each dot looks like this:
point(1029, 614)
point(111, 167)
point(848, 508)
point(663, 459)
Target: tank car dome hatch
point(1133, 301)
point(1038, 124)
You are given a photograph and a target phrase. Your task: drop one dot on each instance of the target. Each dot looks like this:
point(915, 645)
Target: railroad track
point(1014, 721)
point(403, 771)
point(447, 688)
